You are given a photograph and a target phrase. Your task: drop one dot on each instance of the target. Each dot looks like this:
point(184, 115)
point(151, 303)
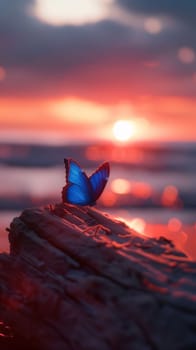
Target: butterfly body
point(81, 189)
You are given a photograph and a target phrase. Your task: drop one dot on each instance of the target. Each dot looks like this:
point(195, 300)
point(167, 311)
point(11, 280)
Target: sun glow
point(138, 224)
point(123, 130)
point(153, 25)
point(186, 55)
point(76, 111)
point(74, 12)
point(120, 186)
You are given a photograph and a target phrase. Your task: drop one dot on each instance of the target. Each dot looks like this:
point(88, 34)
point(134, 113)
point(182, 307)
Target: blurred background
point(100, 80)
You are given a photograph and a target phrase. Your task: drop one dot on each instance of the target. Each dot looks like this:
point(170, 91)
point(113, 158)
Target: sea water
point(152, 187)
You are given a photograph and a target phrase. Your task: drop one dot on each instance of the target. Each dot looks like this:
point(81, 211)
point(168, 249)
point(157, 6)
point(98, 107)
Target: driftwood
point(76, 278)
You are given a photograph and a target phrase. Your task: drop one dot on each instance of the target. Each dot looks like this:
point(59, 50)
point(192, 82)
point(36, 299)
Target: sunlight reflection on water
point(156, 223)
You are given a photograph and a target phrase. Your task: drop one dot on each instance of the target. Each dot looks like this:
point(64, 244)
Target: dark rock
point(79, 279)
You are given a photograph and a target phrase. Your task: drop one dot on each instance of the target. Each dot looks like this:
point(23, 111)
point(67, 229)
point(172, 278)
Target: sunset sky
point(70, 70)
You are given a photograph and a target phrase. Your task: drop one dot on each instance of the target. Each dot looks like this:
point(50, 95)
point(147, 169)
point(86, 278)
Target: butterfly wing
point(75, 194)
point(99, 179)
point(78, 189)
point(74, 173)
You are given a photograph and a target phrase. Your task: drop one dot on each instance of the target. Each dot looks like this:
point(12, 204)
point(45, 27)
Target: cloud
point(97, 60)
point(26, 42)
point(176, 9)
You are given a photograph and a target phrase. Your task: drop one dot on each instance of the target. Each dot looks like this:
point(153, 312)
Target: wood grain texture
point(79, 279)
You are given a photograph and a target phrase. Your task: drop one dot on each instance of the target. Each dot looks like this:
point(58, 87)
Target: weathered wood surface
point(69, 284)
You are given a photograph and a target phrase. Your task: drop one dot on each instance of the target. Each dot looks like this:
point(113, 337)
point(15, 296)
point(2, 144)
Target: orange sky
point(76, 70)
point(165, 118)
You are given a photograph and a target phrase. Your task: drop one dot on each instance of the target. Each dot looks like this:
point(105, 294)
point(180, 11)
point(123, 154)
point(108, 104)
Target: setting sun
point(123, 130)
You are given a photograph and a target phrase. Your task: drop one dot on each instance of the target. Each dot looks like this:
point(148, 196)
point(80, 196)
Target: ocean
point(152, 186)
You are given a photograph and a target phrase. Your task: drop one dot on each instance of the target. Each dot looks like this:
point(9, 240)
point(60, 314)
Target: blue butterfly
point(81, 189)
